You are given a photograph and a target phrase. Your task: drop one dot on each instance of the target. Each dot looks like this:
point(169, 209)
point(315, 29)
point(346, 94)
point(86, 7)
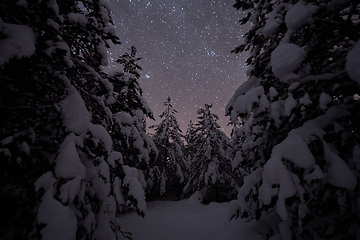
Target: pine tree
point(298, 144)
point(210, 169)
point(61, 175)
point(190, 148)
point(129, 129)
point(169, 166)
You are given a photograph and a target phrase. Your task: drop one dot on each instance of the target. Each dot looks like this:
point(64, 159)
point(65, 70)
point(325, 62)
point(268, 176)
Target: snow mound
point(353, 62)
point(286, 58)
point(60, 220)
point(19, 42)
point(100, 133)
point(123, 118)
point(299, 14)
point(180, 220)
point(74, 112)
point(339, 173)
point(272, 23)
point(78, 18)
point(68, 163)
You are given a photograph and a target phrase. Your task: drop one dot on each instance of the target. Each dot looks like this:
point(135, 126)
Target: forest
point(76, 151)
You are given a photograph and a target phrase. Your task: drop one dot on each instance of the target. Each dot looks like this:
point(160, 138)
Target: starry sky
point(185, 46)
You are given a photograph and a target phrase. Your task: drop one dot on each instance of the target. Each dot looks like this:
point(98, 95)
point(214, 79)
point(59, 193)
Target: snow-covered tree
point(299, 140)
point(169, 165)
point(61, 176)
point(210, 169)
point(190, 148)
point(129, 129)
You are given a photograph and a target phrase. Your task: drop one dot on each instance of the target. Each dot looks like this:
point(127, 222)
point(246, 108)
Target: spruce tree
point(190, 148)
point(169, 165)
point(298, 144)
point(61, 176)
point(210, 168)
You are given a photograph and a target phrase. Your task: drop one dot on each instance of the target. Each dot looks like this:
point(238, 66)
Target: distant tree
point(61, 174)
point(169, 165)
point(210, 169)
point(190, 148)
point(299, 141)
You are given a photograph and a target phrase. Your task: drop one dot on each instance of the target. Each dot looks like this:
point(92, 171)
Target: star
point(186, 46)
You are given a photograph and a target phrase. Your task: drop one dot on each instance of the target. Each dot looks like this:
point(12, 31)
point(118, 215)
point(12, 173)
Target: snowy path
point(186, 221)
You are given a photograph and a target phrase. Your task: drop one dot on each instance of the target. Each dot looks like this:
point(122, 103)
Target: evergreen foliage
point(210, 169)
point(169, 167)
point(299, 141)
point(63, 176)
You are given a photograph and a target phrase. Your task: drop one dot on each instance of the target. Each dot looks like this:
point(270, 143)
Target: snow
point(237, 160)
point(74, 112)
point(60, 220)
point(241, 90)
point(294, 86)
point(68, 163)
point(295, 149)
point(7, 140)
point(317, 173)
point(276, 111)
point(324, 100)
point(353, 62)
point(104, 14)
point(119, 197)
point(285, 231)
point(249, 182)
point(244, 103)
point(286, 58)
point(179, 173)
point(44, 181)
point(290, 104)
point(211, 173)
point(109, 30)
point(187, 219)
point(299, 14)
point(5, 152)
point(52, 23)
point(339, 173)
point(104, 171)
point(18, 41)
point(100, 133)
point(22, 3)
point(62, 46)
point(272, 23)
point(132, 180)
point(305, 100)
point(115, 156)
point(54, 6)
point(123, 118)
point(102, 51)
point(70, 189)
point(106, 216)
point(273, 93)
point(78, 18)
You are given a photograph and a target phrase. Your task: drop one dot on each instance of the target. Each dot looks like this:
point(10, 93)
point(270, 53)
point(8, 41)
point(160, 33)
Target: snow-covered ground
point(187, 220)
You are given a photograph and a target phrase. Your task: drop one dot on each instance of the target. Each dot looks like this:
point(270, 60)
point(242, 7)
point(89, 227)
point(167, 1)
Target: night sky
point(185, 47)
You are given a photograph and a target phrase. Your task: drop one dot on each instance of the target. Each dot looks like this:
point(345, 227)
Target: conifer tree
point(210, 169)
point(169, 165)
point(190, 148)
point(298, 144)
point(129, 131)
point(62, 176)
